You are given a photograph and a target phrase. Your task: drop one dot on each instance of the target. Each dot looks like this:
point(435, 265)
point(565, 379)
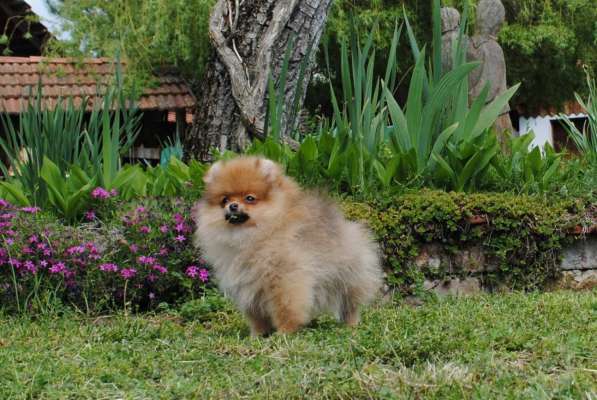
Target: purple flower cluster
point(152, 252)
point(101, 193)
point(194, 272)
point(108, 267)
point(128, 273)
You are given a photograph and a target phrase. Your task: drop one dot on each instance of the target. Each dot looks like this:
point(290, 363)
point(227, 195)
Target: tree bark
point(250, 39)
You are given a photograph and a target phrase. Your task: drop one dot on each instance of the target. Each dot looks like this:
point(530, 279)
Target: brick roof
point(64, 77)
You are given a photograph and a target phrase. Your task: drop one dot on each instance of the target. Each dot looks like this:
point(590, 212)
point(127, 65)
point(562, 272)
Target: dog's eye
point(224, 200)
point(250, 199)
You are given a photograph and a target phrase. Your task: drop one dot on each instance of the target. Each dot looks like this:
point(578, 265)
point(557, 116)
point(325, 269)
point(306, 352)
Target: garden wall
point(456, 243)
point(469, 270)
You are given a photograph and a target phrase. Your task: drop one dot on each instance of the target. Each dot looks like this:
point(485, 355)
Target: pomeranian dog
point(283, 255)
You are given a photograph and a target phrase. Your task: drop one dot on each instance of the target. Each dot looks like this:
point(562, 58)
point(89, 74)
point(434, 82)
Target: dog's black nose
point(233, 207)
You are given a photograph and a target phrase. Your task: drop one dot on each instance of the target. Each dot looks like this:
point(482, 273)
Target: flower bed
point(138, 254)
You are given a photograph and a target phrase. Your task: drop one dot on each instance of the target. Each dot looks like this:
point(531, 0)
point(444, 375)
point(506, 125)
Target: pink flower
point(133, 248)
point(145, 229)
point(58, 268)
point(7, 216)
point(90, 215)
point(140, 209)
point(30, 210)
point(4, 203)
point(33, 239)
point(26, 250)
point(179, 219)
point(43, 263)
point(152, 278)
point(192, 271)
point(9, 241)
point(163, 251)
point(179, 227)
point(113, 192)
point(91, 247)
point(163, 229)
point(109, 267)
point(151, 296)
point(100, 193)
point(203, 275)
point(146, 260)
point(180, 238)
point(75, 250)
point(30, 266)
point(128, 273)
point(47, 252)
point(161, 269)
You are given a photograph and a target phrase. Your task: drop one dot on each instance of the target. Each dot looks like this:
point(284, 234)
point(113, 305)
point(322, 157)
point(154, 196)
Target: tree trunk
point(250, 39)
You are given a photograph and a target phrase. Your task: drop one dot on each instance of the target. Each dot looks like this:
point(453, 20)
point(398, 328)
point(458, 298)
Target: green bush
point(523, 235)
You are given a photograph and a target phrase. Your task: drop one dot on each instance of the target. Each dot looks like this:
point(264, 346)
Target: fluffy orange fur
point(283, 255)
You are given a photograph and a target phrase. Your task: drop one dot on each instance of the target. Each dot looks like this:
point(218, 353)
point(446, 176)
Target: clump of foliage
point(148, 34)
point(206, 307)
point(64, 136)
point(546, 43)
point(131, 255)
point(586, 140)
point(522, 235)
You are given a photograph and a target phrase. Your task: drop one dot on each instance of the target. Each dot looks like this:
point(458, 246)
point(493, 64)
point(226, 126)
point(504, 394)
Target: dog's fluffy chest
point(236, 279)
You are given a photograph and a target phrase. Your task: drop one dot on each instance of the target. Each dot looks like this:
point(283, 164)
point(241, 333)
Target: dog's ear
point(270, 170)
point(212, 172)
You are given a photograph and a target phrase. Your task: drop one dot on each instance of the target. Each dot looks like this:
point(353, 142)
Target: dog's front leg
point(291, 303)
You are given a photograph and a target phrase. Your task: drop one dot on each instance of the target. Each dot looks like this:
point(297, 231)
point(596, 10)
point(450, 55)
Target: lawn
point(540, 345)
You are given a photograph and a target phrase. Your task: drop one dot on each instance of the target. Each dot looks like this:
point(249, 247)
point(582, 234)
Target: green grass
point(492, 346)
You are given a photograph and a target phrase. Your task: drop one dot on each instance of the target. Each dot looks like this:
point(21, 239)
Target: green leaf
point(13, 192)
point(493, 110)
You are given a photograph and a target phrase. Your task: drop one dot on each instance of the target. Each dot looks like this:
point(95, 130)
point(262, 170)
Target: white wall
point(541, 126)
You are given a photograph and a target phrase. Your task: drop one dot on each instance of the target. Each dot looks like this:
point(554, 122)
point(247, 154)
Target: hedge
point(523, 235)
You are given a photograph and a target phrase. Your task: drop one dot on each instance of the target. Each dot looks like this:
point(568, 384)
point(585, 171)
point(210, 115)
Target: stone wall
point(466, 271)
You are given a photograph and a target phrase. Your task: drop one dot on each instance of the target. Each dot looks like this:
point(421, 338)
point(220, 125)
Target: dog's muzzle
point(236, 218)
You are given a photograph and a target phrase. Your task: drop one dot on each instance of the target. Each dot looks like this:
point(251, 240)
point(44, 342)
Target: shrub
point(585, 140)
point(523, 235)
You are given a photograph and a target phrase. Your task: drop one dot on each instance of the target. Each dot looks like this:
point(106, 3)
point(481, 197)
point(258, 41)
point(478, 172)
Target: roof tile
point(64, 77)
